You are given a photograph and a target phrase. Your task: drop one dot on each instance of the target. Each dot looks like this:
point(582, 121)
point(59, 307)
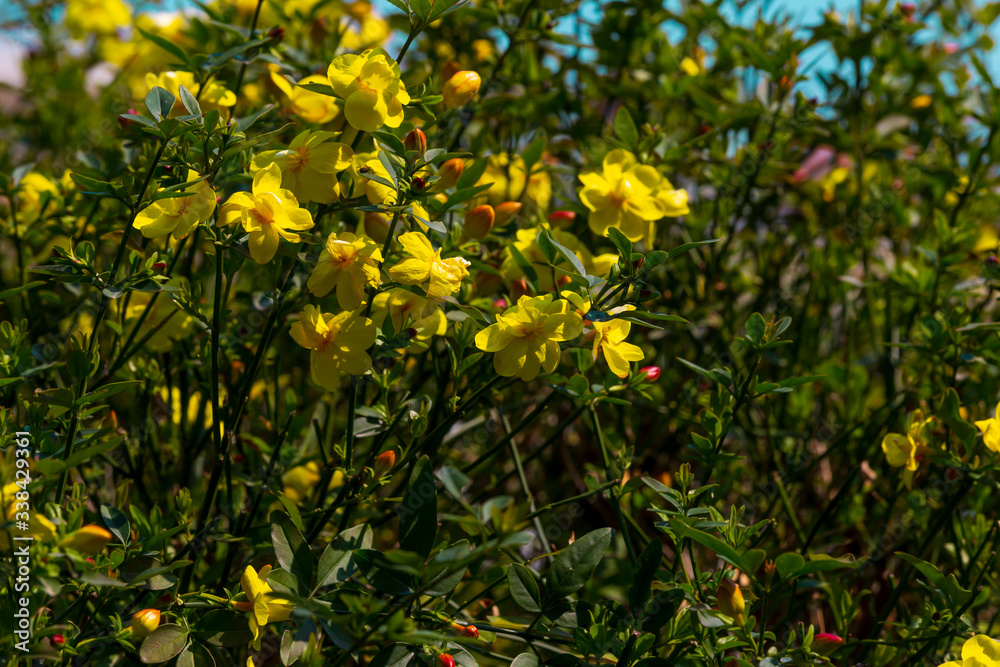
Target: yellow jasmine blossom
point(215, 95)
point(610, 338)
point(526, 242)
point(991, 431)
point(511, 182)
point(260, 600)
point(371, 87)
point(307, 105)
point(96, 17)
point(980, 651)
point(407, 310)
point(309, 165)
point(424, 263)
point(178, 215)
point(39, 527)
point(525, 338)
point(690, 66)
point(269, 213)
point(906, 451)
point(629, 197)
point(602, 264)
point(31, 190)
point(338, 343)
point(350, 263)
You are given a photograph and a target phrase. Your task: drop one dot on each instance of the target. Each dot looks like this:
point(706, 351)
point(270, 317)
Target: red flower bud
point(652, 372)
point(387, 459)
point(416, 140)
point(500, 304)
point(446, 660)
point(418, 184)
point(277, 33)
point(907, 8)
point(519, 288)
point(58, 640)
point(159, 266)
point(562, 218)
point(239, 458)
point(826, 643)
point(704, 128)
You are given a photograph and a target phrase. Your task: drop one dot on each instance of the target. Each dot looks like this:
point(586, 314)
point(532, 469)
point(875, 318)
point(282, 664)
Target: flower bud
point(506, 212)
point(277, 34)
point(445, 660)
point(448, 173)
point(375, 226)
point(730, 600)
point(144, 622)
point(704, 128)
point(826, 643)
point(519, 288)
point(89, 540)
point(461, 88)
point(907, 8)
point(58, 640)
point(992, 262)
point(384, 462)
point(416, 140)
point(950, 48)
point(159, 266)
point(418, 184)
point(562, 219)
point(652, 373)
point(466, 630)
point(478, 222)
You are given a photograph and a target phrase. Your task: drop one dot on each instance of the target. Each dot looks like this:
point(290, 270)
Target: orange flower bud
point(384, 462)
point(446, 660)
point(89, 539)
point(519, 288)
point(562, 219)
point(448, 173)
point(466, 630)
point(144, 622)
point(826, 643)
point(478, 222)
point(461, 88)
point(416, 140)
point(506, 212)
point(730, 600)
point(376, 226)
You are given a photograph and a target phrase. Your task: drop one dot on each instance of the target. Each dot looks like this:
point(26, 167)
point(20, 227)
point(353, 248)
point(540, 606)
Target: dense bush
point(499, 332)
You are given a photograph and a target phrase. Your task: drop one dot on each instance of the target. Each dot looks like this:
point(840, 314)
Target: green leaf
point(159, 101)
point(7, 293)
point(721, 549)
point(443, 571)
point(189, 102)
point(571, 569)
point(291, 549)
point(164, 644)
point(107, 391)
point(384, 575)
point(418, 512)
point(789, 565)
point(523, 588)
point(116, 522)
point(570, 255)
point(224, 627)
point(621, 242)
point(662, 609)
point(195, 655)
point(533, 153)
point(644, 574)
point(166, 45)
point(526, 660)
point(393, 655)
point(756, 328)
point(294, 645)
point(337, 564)
point(625, 128)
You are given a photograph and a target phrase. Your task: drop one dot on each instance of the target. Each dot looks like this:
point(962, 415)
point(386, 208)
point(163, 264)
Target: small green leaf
point(625, 128)
point(571, 569)
point(159, 101)
point(164, 644)
point(418, 513)
point(644, 574)
point(116, 522)
point(291, 549)
point(523, 588)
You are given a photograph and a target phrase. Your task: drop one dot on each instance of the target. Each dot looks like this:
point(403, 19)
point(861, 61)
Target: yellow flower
point(338, 343)
point(511, 183)
point(629, 197)
point(298, 483)
point(690, 66)
point(307, 105)
point(170, 323)
point(991, 431)
point(269, 213)
point(364, 32)
point(260, 599)
point(902, 450)
point(350, 263)
point(178, 215)
point(461, 88)
point(39, 527)
point(96, 17)
point(525, 338)
point(407, 310)
point(309, 165)
point(371, 87)
point(526, 242)
point(89, 539)
point(215, 95)
point(610, 339)
point(980, 651)
point(31, 190)
point(425, 263)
